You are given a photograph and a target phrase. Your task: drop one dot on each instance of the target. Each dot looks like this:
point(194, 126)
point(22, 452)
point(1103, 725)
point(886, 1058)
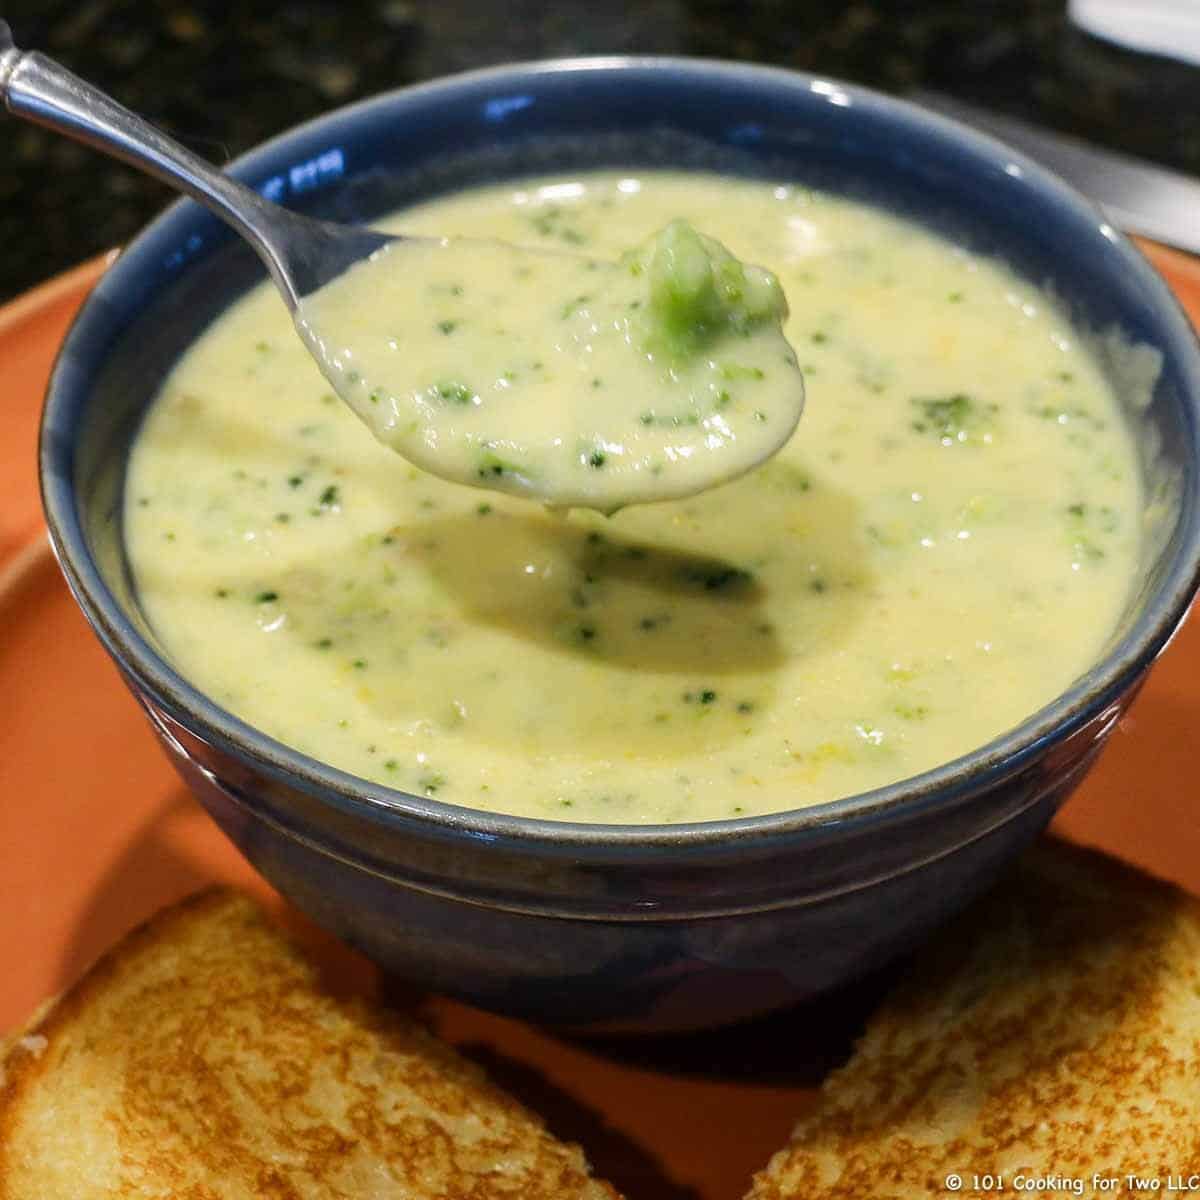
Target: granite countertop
point(221, 83)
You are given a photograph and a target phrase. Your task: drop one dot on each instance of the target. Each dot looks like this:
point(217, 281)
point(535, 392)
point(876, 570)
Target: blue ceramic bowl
point(602, 926)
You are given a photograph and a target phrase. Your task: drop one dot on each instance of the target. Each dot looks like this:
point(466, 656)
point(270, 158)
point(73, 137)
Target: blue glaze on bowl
point(680, 926)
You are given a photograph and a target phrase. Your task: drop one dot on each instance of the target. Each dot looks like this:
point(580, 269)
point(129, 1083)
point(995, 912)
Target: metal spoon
point(571, 430)
point(300, 253)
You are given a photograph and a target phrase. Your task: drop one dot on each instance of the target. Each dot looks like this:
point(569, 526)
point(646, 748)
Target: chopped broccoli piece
point(699, 291)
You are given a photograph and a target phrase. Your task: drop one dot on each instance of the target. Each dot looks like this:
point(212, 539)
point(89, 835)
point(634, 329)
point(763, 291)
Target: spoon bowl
point(599, 412)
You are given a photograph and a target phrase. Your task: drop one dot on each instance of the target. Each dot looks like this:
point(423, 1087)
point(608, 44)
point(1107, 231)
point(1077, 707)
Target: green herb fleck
point(952, 418)
point(669, 420)
point(454, 391)
point(551, 222)
point(736, 371)
point(491, 466)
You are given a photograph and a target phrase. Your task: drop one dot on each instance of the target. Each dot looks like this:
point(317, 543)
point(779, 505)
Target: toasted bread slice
point(1053, 1032)
point(203, 1059)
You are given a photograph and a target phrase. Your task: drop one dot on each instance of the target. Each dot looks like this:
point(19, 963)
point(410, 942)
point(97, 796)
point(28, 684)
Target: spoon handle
point(41, 90)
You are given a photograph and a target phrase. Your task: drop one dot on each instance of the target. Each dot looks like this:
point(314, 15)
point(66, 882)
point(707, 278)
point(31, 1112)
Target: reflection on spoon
point(565, 379)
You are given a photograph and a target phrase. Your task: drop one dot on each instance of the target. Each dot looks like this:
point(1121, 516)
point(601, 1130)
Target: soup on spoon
point(570, 380)
point(577, 382)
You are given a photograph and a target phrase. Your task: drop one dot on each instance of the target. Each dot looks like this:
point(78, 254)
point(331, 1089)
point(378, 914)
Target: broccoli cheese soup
point(943, 545)
point(566, 378)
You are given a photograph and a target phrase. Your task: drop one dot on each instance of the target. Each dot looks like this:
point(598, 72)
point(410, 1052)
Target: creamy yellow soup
point(567, 378)
point(941, 548)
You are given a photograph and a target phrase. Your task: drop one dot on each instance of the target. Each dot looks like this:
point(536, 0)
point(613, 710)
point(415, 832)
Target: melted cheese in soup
point(942, 547)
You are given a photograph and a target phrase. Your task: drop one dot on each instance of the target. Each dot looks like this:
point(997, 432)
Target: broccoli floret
point(700, 292)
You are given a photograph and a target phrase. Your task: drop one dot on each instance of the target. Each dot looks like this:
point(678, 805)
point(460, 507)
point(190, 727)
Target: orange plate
point(96, 833)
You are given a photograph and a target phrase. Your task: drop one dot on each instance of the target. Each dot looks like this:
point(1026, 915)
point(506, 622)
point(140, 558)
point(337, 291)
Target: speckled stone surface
point(222, 76)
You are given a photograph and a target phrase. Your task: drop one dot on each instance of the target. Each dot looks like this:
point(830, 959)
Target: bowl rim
point(945, 786)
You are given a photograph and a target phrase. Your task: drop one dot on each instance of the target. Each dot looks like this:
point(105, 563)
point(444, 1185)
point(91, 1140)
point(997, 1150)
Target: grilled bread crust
point(1053, 1032)
point(203, 1060)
